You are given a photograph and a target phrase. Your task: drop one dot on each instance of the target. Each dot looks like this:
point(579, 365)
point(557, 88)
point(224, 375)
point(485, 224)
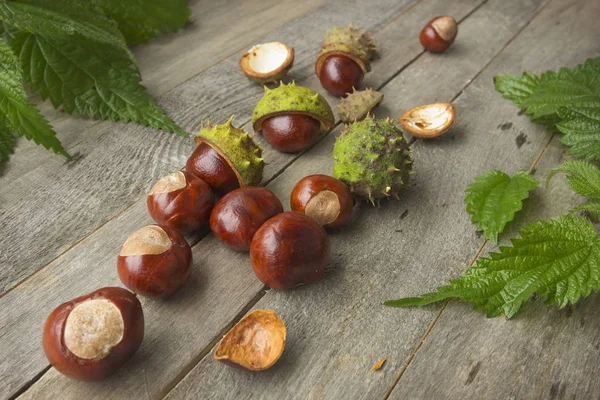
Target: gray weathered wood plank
point(61, 280)
point(337, 328)
point(116, 164)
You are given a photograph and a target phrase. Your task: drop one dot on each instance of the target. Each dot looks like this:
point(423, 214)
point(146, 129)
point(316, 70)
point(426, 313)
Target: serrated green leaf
point(85, 80)
point(495, 197)
point(16, 111)
point(141, 20)
point(7, 142)
point(559, 259)
point(515, 88)
point(582, 131)
point(583, 177)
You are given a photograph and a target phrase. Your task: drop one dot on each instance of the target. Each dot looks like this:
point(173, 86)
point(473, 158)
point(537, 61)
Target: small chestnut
point(439, 34)
point(238, 215)
point(90, 337)
point(323, 198)
point(288, 250)
point(291, 133)
point(155, 261)
point(340, 74)
point(255, 343)
point(210, 166)
point(181, 201)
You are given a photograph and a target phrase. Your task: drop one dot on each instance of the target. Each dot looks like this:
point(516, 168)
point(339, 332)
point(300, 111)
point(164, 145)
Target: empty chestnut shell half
point(267, 62)
point(90, 337)
point(155, 261)
point(238, 215)
point(255, 343)
point(207, 164)
point(289, 250)
point(428, 121)
point(323, 198)
point(181, 201)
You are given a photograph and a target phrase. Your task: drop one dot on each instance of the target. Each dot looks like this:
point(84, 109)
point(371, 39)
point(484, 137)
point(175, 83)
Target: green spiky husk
point(293, 99)
point(352, 41)
point(238, 149)
point(357, 104)
point(372, 157)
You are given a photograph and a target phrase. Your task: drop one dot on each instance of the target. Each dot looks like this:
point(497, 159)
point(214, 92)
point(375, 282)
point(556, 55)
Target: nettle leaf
point(7, 142)
point(84, 80)
point(559, 259)
point(515, 88)
point(582, 131)
point(495, 197)
point(583, 177)
point(141, 20)
point(17, 114)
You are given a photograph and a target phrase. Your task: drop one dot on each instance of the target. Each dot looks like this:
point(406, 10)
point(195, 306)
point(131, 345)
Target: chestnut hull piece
point(267, 62)
point(74, 367)
point(289, 250)
point(239, 214)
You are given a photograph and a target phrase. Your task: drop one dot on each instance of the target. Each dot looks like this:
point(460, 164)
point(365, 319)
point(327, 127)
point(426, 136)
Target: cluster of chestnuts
point(90, 337)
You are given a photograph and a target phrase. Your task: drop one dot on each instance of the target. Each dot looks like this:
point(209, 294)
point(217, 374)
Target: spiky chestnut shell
point(293, 99)
point(372, 157)
point(237, 148)
point(357, 104)
point(350, 42)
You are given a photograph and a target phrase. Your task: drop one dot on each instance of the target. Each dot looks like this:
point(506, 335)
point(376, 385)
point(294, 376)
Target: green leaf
point(495, 197)
point(7, 143)
point(582, 131)
point(583, 177)
point(141, 20)
point(17, 114)
point(559, 259)
point(515, 88)
point(88, 80)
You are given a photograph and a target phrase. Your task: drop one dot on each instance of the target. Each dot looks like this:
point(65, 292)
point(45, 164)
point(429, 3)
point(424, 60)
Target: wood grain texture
point(337, 328)
point(94, 258)
point(542, 352)
point(115, 164)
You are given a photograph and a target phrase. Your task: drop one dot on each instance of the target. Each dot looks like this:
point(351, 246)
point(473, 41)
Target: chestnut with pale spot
point(90, 337)
point(155, 261)
point(181, 201)
point(323, 198)
point(255, 343)
point(439, 34)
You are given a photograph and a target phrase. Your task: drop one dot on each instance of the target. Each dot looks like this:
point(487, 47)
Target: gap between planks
point(535, 162)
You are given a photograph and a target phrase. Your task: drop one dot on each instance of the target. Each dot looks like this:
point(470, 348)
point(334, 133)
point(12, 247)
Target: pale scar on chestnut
point(151, 239)
point(324, 207)
point(169, 183)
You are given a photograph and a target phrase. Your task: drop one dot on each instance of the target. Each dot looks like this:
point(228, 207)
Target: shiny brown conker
point(155, 261)
point(439, 34)
point(181, 201)
point(339, 74)
point(323, 198)
point(238, 215)
point(207, 164)
point(291, 133)
point(90, 337)
point(289, 250)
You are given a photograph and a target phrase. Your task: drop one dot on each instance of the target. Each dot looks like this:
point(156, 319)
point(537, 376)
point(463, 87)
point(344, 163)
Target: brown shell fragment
point(255, 343)
point(267, 62)
point(428, 121)
point(358, 104)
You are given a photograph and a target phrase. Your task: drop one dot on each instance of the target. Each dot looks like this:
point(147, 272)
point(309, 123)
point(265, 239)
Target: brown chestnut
point(210, 166)
point(288, 250)
point(291, 133)
point(255, 343)
point(238, 215)
point(439, 34)
point(155, 261)
point(181, 201)
point(323, 198)
point(339, 74)
point(90, 337)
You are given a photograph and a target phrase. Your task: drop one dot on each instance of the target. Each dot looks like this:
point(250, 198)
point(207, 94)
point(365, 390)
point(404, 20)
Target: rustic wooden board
point(541, 353)
point(337, 328)
point(61, 280)
point(106, 177)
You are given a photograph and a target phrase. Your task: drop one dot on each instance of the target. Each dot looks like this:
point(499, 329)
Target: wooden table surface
point(62, 223)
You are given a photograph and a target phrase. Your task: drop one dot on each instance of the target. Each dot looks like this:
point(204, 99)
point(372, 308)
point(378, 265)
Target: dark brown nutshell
point(155, 261)
point(439, 34)
point(339, 74)
point(181, 201)
point(207, 164)
point(323, 198)
point(238, 215)
point(291, 133)
point(289, 250)
point(92, 336)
